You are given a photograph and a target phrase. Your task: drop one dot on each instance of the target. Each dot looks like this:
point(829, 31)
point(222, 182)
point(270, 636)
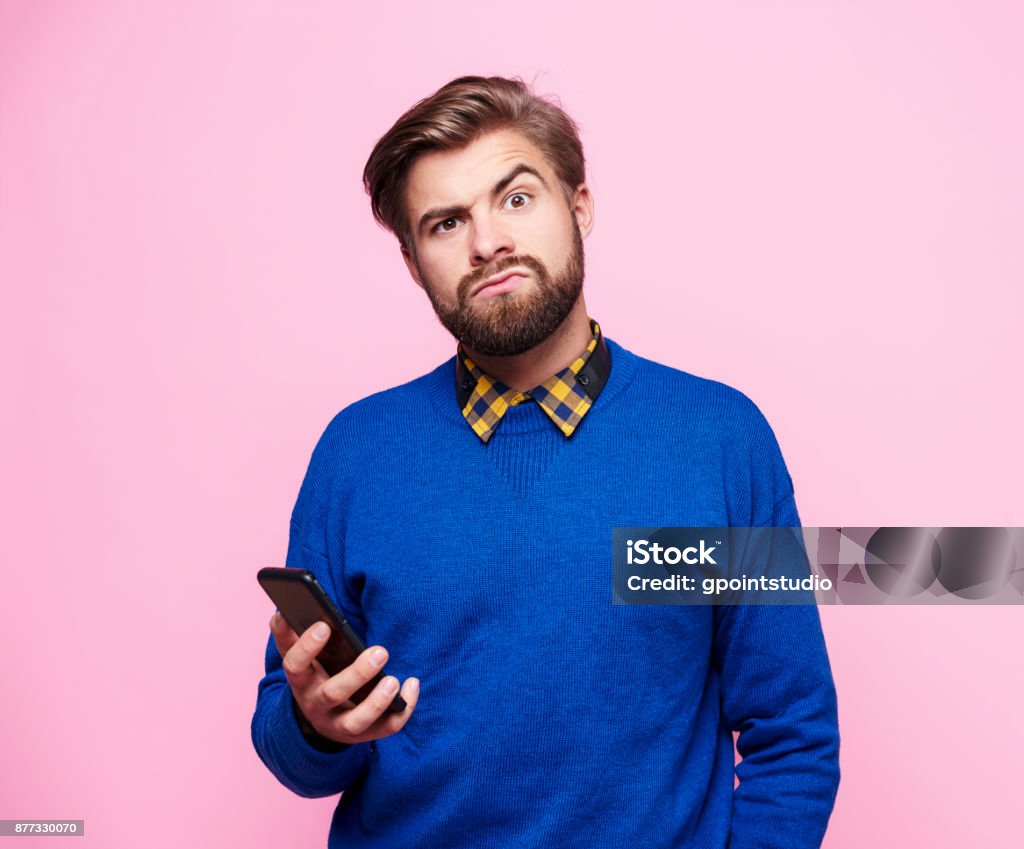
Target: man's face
point(498, 249)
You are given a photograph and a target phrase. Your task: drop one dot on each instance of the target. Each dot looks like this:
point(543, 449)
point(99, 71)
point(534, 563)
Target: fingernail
point(414, 686)
point(390, 686)
point(320, 631)
point(378, 656)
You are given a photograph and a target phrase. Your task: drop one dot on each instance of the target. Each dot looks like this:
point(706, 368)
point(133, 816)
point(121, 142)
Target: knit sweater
point(549, 717)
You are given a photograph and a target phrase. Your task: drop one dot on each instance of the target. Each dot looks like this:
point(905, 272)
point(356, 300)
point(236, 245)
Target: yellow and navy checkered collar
point(565, 397)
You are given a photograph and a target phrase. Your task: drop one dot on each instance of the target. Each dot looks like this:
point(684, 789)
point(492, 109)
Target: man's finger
point(298, 663)
point(284, 636)
point(392, 722)
point(368, 721)
point(338, 688)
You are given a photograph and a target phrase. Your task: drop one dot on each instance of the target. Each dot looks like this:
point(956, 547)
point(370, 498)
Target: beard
point(509, 324)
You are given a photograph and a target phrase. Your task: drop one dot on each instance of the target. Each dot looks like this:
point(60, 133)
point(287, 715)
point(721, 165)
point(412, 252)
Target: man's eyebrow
point(522, 168)
point(443, 212)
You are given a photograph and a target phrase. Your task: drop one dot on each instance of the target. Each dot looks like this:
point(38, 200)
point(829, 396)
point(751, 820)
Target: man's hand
point(324, 700)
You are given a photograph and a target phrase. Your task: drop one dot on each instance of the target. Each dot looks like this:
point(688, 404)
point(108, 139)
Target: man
point(462, 522)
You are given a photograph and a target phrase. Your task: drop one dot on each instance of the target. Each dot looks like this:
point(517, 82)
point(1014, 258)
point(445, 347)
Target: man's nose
point(490, 241)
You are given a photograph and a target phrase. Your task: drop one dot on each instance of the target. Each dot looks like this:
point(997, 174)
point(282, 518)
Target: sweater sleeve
point(778, 693)
point(303, 768)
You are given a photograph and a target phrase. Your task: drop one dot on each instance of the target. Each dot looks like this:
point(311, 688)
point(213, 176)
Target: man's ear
point(583, 208)
point(411, 265)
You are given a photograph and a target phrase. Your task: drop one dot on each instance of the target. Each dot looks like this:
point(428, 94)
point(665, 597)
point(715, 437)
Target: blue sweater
point(549, 717)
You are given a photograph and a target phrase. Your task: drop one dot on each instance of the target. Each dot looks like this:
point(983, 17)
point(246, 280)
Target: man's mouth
point(499, 284)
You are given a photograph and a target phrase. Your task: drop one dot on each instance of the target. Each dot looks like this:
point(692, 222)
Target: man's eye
point(446, 226)
point(517, 200)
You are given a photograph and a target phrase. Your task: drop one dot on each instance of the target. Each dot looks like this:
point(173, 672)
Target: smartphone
point(303, 602)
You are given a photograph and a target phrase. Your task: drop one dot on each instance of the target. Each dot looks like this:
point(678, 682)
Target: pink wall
point(191, 279)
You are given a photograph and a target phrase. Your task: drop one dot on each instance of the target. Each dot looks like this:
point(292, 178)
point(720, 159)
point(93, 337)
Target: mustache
point(467, 283)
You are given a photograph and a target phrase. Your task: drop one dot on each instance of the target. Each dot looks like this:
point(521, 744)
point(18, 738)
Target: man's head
point(480, 180)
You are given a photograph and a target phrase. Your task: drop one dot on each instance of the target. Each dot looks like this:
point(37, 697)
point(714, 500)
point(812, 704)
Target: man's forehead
point(453, 177)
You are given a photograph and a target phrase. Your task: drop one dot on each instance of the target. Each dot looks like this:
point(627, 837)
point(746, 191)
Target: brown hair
point(454, 116)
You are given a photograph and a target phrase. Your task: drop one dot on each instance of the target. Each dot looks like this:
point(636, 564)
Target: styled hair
point(456, 115)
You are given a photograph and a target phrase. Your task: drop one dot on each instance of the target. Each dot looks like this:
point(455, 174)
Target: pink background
point(817, 203)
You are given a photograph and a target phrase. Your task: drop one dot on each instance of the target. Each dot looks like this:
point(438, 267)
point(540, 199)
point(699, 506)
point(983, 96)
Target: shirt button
point(466, 384)
point(583, 379)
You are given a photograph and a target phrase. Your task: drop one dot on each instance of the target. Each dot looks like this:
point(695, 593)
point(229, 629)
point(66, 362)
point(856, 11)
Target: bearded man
point(462, 523)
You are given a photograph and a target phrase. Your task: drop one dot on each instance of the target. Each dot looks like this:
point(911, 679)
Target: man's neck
point(529, 369)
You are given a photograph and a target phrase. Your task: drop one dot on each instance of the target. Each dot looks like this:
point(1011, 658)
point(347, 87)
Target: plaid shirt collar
point(565, 397)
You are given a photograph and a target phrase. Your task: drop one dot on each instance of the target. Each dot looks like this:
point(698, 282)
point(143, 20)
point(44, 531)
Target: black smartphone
point(303, 602)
